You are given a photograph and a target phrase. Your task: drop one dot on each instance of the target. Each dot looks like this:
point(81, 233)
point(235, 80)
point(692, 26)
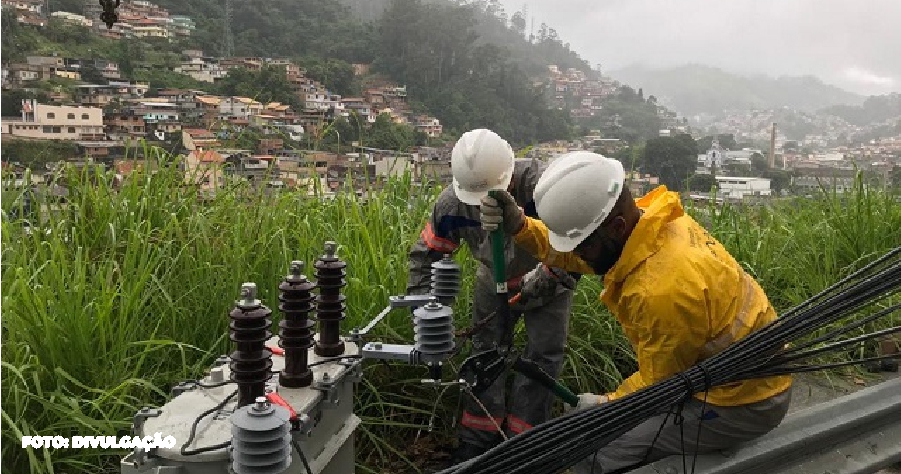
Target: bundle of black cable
point(562, 442)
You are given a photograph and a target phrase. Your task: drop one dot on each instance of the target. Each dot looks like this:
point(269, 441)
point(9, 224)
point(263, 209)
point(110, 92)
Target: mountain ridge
point(695, 88)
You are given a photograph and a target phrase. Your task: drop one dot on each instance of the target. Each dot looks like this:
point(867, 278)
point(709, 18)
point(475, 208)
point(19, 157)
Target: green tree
point(759, 164)
point(726, 140)
point(269, 84)
point(701, 183)
point(12, 100)
point(672, 159)
point(334, 74)
point(780, 180)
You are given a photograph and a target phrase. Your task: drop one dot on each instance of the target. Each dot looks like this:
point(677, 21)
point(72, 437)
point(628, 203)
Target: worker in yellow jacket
point(678, 294)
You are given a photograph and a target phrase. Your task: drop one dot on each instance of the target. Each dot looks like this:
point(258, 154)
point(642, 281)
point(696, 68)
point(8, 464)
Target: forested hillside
point(469, 65)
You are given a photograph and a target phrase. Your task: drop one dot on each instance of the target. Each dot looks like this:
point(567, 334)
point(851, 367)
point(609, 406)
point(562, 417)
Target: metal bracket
point(401, 352)
point(142, 415)
point(183, 387)
point(407, 301)
point(141, 456)
point(354, 369)
point(330, 391)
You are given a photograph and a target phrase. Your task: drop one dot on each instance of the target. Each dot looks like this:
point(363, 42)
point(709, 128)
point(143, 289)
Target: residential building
point(428, 125)
point(124, 124)
point(205, 169)
point(207, 109)
point(56, 122)
point(742, 187)
point(148, 28)
point(204, 69)
point(73, 19)
point(252, 64)
point(641, 184)
point(20, 74)
point(259, 170)
point(360, 106)
point(188, 105)
point(30, 6)
point(239, 108)
point(97, 95)
point(198, 139)
point(181, 26)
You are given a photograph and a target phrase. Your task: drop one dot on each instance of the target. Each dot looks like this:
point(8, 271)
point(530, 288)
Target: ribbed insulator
point(434, 332)
point(296, 328)
point(446, 280)
point(330, 302)
point(251, 362)
point(261, 439)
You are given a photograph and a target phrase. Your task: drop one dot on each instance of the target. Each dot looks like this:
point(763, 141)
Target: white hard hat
point(481, 161)
point(575, 194)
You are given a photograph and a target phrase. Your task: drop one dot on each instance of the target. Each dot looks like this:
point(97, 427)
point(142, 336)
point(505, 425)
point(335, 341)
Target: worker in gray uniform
point(481, 160)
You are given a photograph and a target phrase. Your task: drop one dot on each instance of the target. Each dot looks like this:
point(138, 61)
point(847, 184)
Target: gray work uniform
point(720, 428)
point(453, 222)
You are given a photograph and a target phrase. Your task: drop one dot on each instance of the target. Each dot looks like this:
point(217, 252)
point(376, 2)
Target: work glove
point(540, 285)
point(502, 212)
point(586, 401)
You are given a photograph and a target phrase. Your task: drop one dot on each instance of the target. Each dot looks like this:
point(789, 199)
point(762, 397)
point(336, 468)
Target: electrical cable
point(303, 459)
point(191, 452)
point(334, 359)
point(560, 443)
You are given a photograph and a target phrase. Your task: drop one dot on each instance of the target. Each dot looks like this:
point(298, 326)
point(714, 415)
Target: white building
point(739, 188)
point(54, 122)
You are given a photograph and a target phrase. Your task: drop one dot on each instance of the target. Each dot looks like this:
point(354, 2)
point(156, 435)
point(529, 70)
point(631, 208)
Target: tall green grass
point(126, 292)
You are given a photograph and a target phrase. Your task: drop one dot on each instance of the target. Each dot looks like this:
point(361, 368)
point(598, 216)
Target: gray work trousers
point(547, 324)
point(721, 428)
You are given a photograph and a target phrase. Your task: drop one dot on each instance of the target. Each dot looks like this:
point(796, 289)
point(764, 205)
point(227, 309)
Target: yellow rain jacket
point(678, 294)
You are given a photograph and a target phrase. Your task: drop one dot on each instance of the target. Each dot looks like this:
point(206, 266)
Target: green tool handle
point(497, 255)
point(534, 372)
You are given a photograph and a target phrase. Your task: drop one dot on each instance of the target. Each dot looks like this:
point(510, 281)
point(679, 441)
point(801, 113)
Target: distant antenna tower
point(229, 47)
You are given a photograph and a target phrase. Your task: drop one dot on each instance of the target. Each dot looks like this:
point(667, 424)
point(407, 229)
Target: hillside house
point(73, 19)
point(96, 95)
point(198, 139)
point(205, 169)
point(56, 122)
point(428, 125)
point(204, 69)
point(239, 108)
point(360, 107)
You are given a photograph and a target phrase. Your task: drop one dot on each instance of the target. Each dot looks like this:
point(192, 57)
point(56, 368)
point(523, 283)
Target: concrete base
point(855, 434)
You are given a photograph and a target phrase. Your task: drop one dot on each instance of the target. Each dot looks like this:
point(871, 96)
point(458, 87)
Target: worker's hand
point(502, 212)
point(586, 401)
point(537, 287)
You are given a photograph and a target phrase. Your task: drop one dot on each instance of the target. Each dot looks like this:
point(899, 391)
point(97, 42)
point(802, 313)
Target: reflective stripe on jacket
point(679, 296)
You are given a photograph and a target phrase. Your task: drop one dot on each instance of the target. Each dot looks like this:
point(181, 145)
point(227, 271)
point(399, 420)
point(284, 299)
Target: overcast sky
point(854, 44)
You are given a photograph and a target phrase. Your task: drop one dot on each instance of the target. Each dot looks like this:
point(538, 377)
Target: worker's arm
point(668, 328)
point(442, 234)
point(534, 238)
